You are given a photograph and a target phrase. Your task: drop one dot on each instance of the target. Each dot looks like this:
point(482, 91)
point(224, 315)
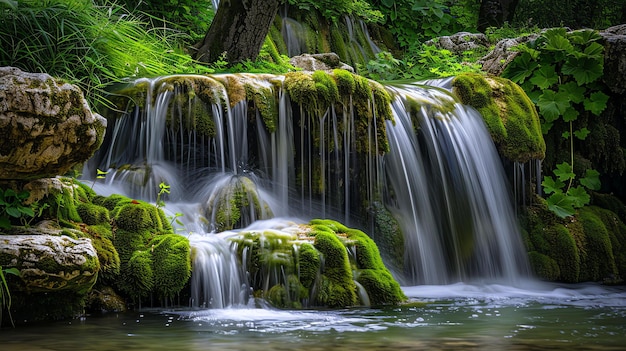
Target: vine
point(560, 71)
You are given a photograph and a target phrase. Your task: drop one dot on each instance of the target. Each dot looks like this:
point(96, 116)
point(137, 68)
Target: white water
point(444, 184)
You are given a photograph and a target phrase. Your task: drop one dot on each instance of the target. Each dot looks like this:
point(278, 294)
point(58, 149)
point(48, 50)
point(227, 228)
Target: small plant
point(5, 294)
point(100, 175)
point(163, 189)
point(11, 206)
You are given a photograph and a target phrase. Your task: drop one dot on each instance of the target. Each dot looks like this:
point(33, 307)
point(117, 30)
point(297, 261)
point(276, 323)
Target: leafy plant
point(5, 294)
point(11, 206)
point(560, 71)
point(100, 175)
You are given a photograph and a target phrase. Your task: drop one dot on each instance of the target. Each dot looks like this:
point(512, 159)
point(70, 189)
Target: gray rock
point(496, 61)
point(615, 58)
point(50, 262)
point(46, 125)
point(319, 62)
point(460, 42)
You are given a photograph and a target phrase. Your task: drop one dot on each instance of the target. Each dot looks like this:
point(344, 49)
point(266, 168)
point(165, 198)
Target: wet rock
point(615, 58)
point(46, 125)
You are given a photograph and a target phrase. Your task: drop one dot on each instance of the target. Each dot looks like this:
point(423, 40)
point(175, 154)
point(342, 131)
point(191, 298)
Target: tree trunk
point(238, 30)
point(494, 13)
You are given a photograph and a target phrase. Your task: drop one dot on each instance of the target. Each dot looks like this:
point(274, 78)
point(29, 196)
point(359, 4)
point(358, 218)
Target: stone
point(48, 262)
point(615, 58)
point(496, 61)
point(47, 126)
point(460, 42)
point(319, 62)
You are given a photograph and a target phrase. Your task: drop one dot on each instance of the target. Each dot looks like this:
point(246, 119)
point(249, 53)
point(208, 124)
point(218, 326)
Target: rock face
point(50, 263)
point(614, 58)
point(46, 125)
point(460, 42)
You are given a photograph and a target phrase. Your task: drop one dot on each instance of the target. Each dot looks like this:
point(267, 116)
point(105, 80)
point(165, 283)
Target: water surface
point(450, 317)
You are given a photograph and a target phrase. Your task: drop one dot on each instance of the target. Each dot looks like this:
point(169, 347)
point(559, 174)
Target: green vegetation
point(561, 73)
point(12, 207)
point(5, 294)
point(510, 116)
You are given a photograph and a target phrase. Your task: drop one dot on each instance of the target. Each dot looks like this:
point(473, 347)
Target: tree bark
point(494, 13)
point(238, 30)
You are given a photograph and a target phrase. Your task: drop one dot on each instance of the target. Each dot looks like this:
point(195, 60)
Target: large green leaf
point(552, 104)
point(571, 114)
point(591, 179)
point(545, 77)
point(520, 68)
point(578, 196)
point(550, 185)
point(584, 36)
point(574, 92)
point(596, 103)
point(584, 70)
point(561, 205)
point(556, 40)
point(564, 171)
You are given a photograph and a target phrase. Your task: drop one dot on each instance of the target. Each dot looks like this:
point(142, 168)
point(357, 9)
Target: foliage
point(413, 21)
point(5, 294)
point(574, 14)
point(91, 46)
point(424, 63)
point(334, 10)
point(191, 17)
point(11, 206)
point(561, 73)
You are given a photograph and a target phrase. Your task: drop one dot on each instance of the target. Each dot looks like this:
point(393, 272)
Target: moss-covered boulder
point(588, 246)
point(509, 114)
point(317, 264)
point(236, 203)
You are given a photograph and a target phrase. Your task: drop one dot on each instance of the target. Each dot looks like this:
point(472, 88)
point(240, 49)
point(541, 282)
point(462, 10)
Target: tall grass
point(88, 45)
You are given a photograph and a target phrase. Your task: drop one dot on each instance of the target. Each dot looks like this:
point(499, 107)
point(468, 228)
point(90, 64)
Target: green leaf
point(596, 103)
point(564, 171)
point(584, 70)
point(544, 77)
point(575, 92)
point(520, 68)
point(584, 36)
point(571, 114)
point(561, 205)
point(552, 105)
point(13, 212)
point(552, 186)
point(591, 180)
point(581, 134)
point(594, 51)
point(557, 41)
point(12, 270)
point(579, 196)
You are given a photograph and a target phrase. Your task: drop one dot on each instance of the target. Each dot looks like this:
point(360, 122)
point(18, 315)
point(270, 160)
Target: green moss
point(171, 264)
point(266, 103)
point(598, 262)
point(301, 87)
point(381, 287)
point(327, 91)
point(341, 289)
point(137, 276)
point(544, 266)
point(388, 236)
point(510, 116)
point(107, 254)
point(564, 251)
point(308, 265)
point(93, 214)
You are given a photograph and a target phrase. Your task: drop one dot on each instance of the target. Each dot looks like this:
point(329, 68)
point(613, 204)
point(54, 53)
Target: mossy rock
point(236, 205)
point(509, 114)
point(171, 264)
point(598, 262)
point(93, 214)
point(544, 266)
point(137, 276)
point(309, 265)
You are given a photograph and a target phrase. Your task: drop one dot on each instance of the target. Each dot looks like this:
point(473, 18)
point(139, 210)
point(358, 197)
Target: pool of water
point(453, 317)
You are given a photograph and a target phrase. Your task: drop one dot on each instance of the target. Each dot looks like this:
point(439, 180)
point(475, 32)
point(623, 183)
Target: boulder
point(50, 262)
point(319, 62)
point(615, 58)
point(460, 42)
point(496, 61)
point(46, 125)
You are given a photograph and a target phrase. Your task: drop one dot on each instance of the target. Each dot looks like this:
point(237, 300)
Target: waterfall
point(442, 179)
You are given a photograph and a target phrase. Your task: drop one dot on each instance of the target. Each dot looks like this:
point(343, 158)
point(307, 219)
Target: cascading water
point(441, 178)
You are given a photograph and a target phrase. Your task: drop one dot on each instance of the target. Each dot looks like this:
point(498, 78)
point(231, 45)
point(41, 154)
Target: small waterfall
point(441, 179)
